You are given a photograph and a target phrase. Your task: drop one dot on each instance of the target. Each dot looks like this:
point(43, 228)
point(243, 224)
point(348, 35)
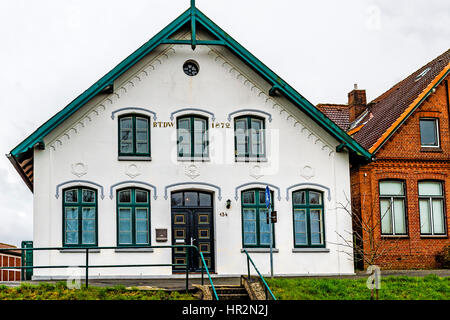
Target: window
point(308, 218)
point(431, 207)
point(80, 217)
point(134, 135)
point(429, 133)
point(249, 138)
point(192, 137)
point(392, 208)
point(420, 75)
point(191, 68)
point(133, 217)
point(255, 229)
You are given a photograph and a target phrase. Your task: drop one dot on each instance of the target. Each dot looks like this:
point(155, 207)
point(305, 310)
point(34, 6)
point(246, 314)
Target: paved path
point(180, 283)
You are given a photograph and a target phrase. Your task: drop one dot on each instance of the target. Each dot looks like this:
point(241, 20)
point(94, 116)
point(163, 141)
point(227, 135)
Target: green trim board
point(194, 17)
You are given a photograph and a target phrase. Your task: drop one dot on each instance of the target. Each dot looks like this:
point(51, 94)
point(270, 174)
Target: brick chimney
point(357, 102)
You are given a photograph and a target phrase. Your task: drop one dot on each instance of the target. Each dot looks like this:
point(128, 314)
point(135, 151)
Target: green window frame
point(192, 137)
point(80, 217)
point(249, 138)
point(134, 135)
point(393, 207)
point(133, 217)
point(432, 208)
point(308, 218)
point(255, 230)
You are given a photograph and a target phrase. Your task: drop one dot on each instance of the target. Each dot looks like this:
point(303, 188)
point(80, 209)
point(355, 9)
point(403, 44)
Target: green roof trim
point(194, 16)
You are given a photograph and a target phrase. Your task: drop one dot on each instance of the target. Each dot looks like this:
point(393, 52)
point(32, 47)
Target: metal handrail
point(87, 266)
point(209, 276)
point(260, 276)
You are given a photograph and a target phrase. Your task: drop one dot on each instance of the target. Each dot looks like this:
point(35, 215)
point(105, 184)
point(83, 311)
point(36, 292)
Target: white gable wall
point(299, 151)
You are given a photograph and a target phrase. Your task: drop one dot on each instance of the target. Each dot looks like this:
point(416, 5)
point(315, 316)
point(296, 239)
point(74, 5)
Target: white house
point(176, 145)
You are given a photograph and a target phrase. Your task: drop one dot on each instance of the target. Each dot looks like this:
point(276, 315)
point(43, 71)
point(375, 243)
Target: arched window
point(133, 217)
point(431, 207)
point(249, 139)
point(192, 138)
point(309, 226)
point(134, 135)
point(79, 217)
point(255, 229)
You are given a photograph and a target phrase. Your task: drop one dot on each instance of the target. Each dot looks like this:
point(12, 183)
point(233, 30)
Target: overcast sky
point(53, 50)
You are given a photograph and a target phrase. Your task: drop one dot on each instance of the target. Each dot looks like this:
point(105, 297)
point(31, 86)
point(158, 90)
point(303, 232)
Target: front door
point(192, 223)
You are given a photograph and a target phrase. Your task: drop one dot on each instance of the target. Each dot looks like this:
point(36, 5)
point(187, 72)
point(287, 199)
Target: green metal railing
point(266, 286)
point(86, 266)
point(209, 276)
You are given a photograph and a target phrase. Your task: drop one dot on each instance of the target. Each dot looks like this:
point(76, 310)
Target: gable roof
point(194, 18)
point(386, 113)
point(391, 109)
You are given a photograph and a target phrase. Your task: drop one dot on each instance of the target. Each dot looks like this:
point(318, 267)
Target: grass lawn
point(430, 287)
point(59, 291)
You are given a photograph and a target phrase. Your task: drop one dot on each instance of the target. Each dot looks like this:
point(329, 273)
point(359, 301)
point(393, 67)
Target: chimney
point(357, 102)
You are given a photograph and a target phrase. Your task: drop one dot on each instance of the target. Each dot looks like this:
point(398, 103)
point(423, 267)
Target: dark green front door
point(192, 223)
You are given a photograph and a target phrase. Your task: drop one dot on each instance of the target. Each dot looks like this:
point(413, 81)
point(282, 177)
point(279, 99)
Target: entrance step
point(231, 292)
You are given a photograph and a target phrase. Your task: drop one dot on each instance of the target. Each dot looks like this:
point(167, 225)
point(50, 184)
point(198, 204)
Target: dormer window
point(429, 132)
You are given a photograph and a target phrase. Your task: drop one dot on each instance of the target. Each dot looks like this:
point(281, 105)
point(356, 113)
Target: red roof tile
point(338, 113)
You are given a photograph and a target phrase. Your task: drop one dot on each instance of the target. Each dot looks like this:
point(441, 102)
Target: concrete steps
point(227, 292)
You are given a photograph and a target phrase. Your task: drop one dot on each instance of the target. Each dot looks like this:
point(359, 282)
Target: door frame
point(192, 225)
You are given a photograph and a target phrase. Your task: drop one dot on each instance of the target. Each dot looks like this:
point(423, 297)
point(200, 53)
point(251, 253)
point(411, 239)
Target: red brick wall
point(9, 274)
point(403, 158)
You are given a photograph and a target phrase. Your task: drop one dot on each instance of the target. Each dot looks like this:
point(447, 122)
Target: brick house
point(404, 191)
point(10, 258)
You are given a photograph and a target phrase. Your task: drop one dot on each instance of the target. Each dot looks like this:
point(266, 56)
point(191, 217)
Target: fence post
point(87, 268)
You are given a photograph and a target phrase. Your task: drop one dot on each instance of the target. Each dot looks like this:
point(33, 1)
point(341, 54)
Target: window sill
point(309, 250)
point(431, 149)
point(134, 250)
point(75, 250)
point(134, 158)
point(259, 250)
point(251, 159)
point(434, 236)
point(197, 159)
point(393, 236)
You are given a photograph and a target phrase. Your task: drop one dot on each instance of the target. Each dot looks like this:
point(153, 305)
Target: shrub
point(443, 258)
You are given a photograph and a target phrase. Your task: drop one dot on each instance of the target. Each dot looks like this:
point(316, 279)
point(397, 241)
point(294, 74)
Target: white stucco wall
point(299, 151)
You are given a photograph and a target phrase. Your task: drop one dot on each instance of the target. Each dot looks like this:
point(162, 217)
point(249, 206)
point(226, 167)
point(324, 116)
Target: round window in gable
point(191, 68)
